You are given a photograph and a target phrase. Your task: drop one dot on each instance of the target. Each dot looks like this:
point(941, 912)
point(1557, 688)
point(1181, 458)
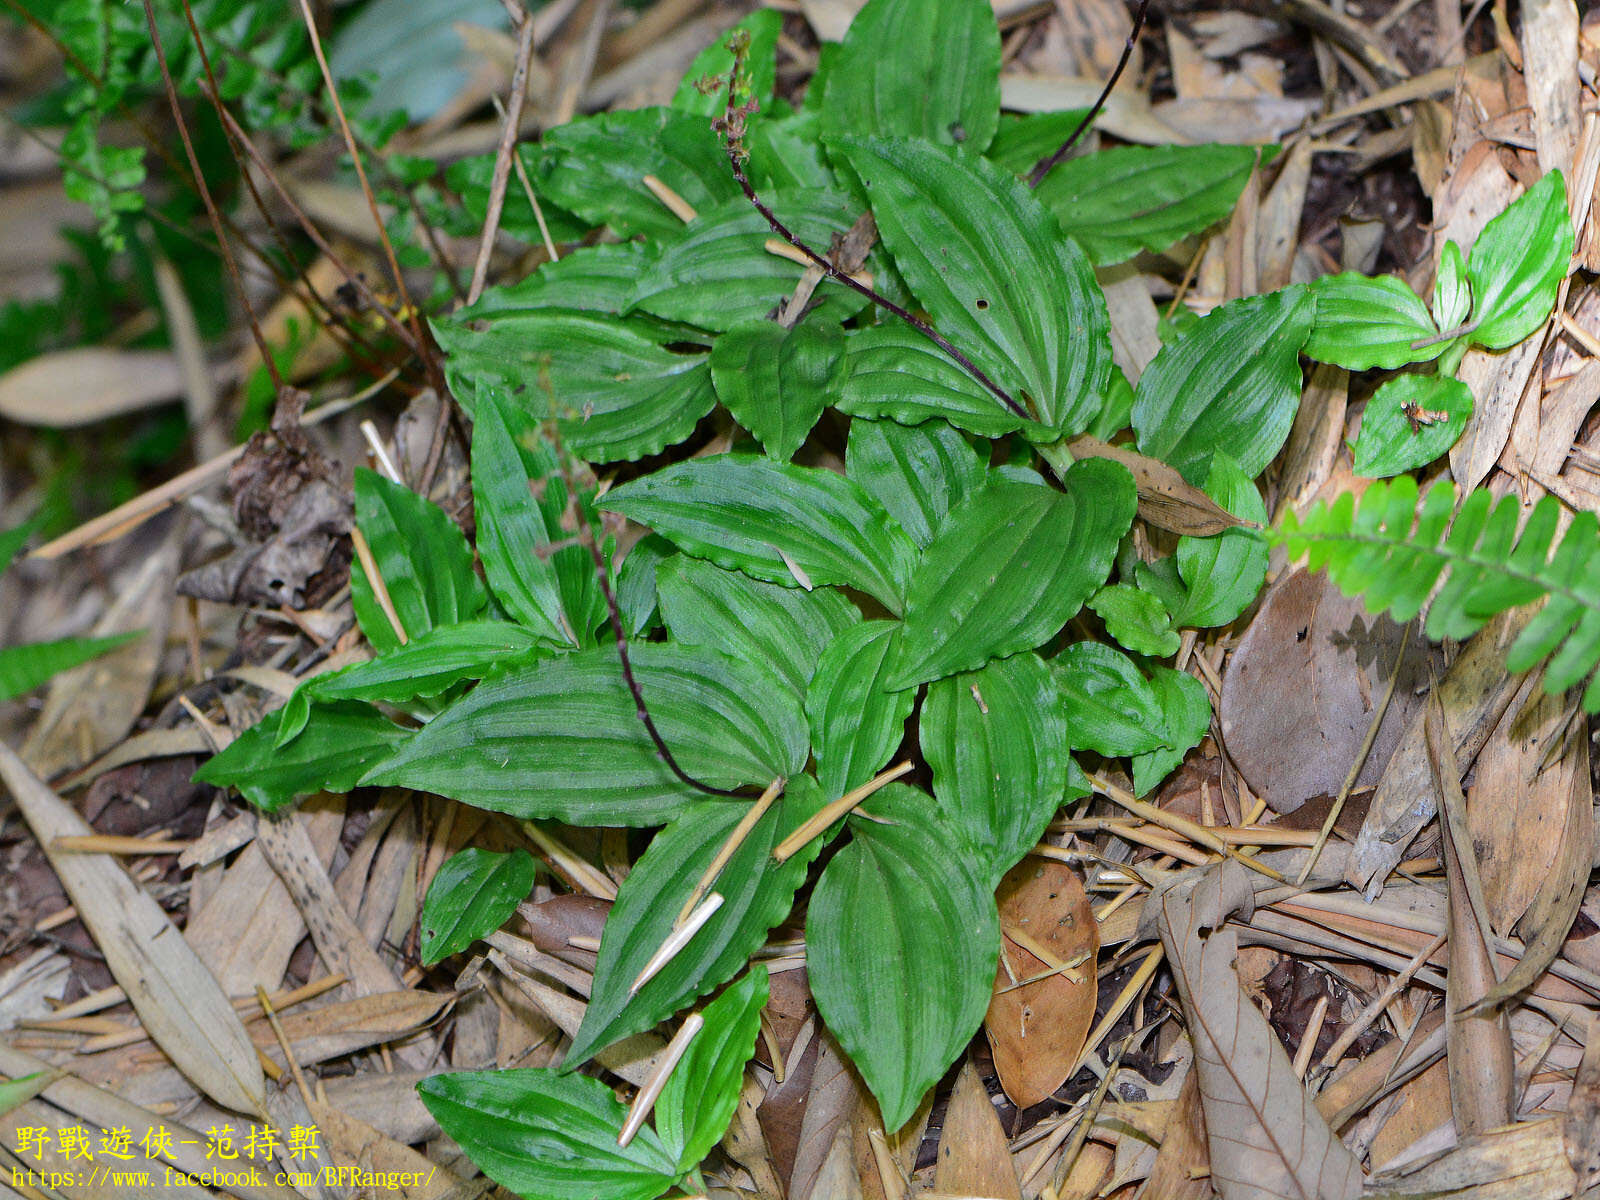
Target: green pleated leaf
point(425, 667)
point(474, 893)
point(617, 389)
point(996, 741)
point(757, 894)
point(1012, 565)
point(423, 557)
point(716, 273)
point(698, 1102)
point(787, 153)
point(1110, 706)
point(1136, 619)
point(785, 628)
point(512, 528)
point(917, 472)
point(776, 381)
point(23, 668)
point(979, 251)
point(636, 583)
point(587, 278)
point(1364, 321)
point(798, 526)
point(1231, 381)
point(856, 720)
point(1410, 421)
point(341, 742)
point(1186, 715)
point(1452, 294)
point(1518, 262)
point(704, 90)
point(561, 738)
point(928, 69)
point(901, 943)
point(472, 178)
point(893, 371)
point(1115, 203)
point(595, 167)
point(1021, 141)
point(548, 1136)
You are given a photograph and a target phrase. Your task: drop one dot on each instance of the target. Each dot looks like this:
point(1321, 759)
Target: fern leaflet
point(1392, 553)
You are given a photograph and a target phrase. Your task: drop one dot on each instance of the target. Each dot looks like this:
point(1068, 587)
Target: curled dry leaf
point(1037, 1031)
point(1166, 500)
point(1265, 1135)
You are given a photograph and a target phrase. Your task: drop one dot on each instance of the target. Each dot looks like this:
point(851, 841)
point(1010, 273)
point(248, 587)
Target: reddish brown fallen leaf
point(1037, 1031)
point(1265, 1135)
point(974, 1159)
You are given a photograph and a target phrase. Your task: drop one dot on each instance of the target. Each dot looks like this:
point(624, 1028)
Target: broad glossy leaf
point(1231, 381)
point(618, 391)
point(923, 68)
point(996, 741)
point(716, 272)
point(548, 1136)
point(23, 668)
point(918, 472)
point(1410, 421)
point(511, 526)
point(856, 720)
point(892, 371)
point(474, 893)
point(1021, 141)
point(698, 1101)
point(1110, 706)
point(1221, 574)
point(1518, 262)
point(595, 166)
point(1011, 565)
point(798, 526)
point(1118, 202)
point(423, 557)
point(981, 254)
point(757, 894)
point(1186, 712)
point(1366, 321)
point(1137, 620)
point(776, 381)
point(704, 89)
point(561, 737)
point(1452, 294)
point(340, 743)
point(901, 942)
point(588, 278)
point(784, 628)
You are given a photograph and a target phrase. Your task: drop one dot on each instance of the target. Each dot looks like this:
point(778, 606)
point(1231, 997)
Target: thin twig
point(1043, 166)
point(502, 161)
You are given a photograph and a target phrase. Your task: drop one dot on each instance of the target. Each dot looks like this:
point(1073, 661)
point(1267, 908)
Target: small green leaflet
point(341, 742)
point(798, 526)
point(757, 894)
point(636, 583)
point(616, 388)
point(1011, 565)
point(1110, 707)
point(895, 372)
point(1452, 294)
point(704, 90)
point(1187, 712)
point(698, 1102)
point(1115, 203)
point(1231, 381)
point(549, 1136)
point(785, 628)
point(1364, 322)
point(14, 1093)
point(1410, 421)
point(917, 472)
point(595, 167)
point(996, 742)
point(979, 250)
point(928, 69)
point(23, 668)
point(474, 893)
point(856, 720)
point(422, 556)
point(776, 381)
point(1136, 619)
point(561, 737)
point(1518, 262)
point(901, 942)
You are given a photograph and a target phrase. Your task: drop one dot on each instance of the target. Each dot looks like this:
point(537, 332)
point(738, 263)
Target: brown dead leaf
point(67, 388)
point(1581, 1127)
point(837, 1178)
point(1265, 1134)
point(974, 1159)
point(835, 1095)
point(1315, 439)
point(1550, 52)
point(356, 1144)
point(1424, 1105)
point(1166, 500)
point(1183, 1165)
point(1519, 1162)
point(1037, 1031)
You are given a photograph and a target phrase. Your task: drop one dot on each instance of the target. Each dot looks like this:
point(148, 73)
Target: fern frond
point(1393, 552)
